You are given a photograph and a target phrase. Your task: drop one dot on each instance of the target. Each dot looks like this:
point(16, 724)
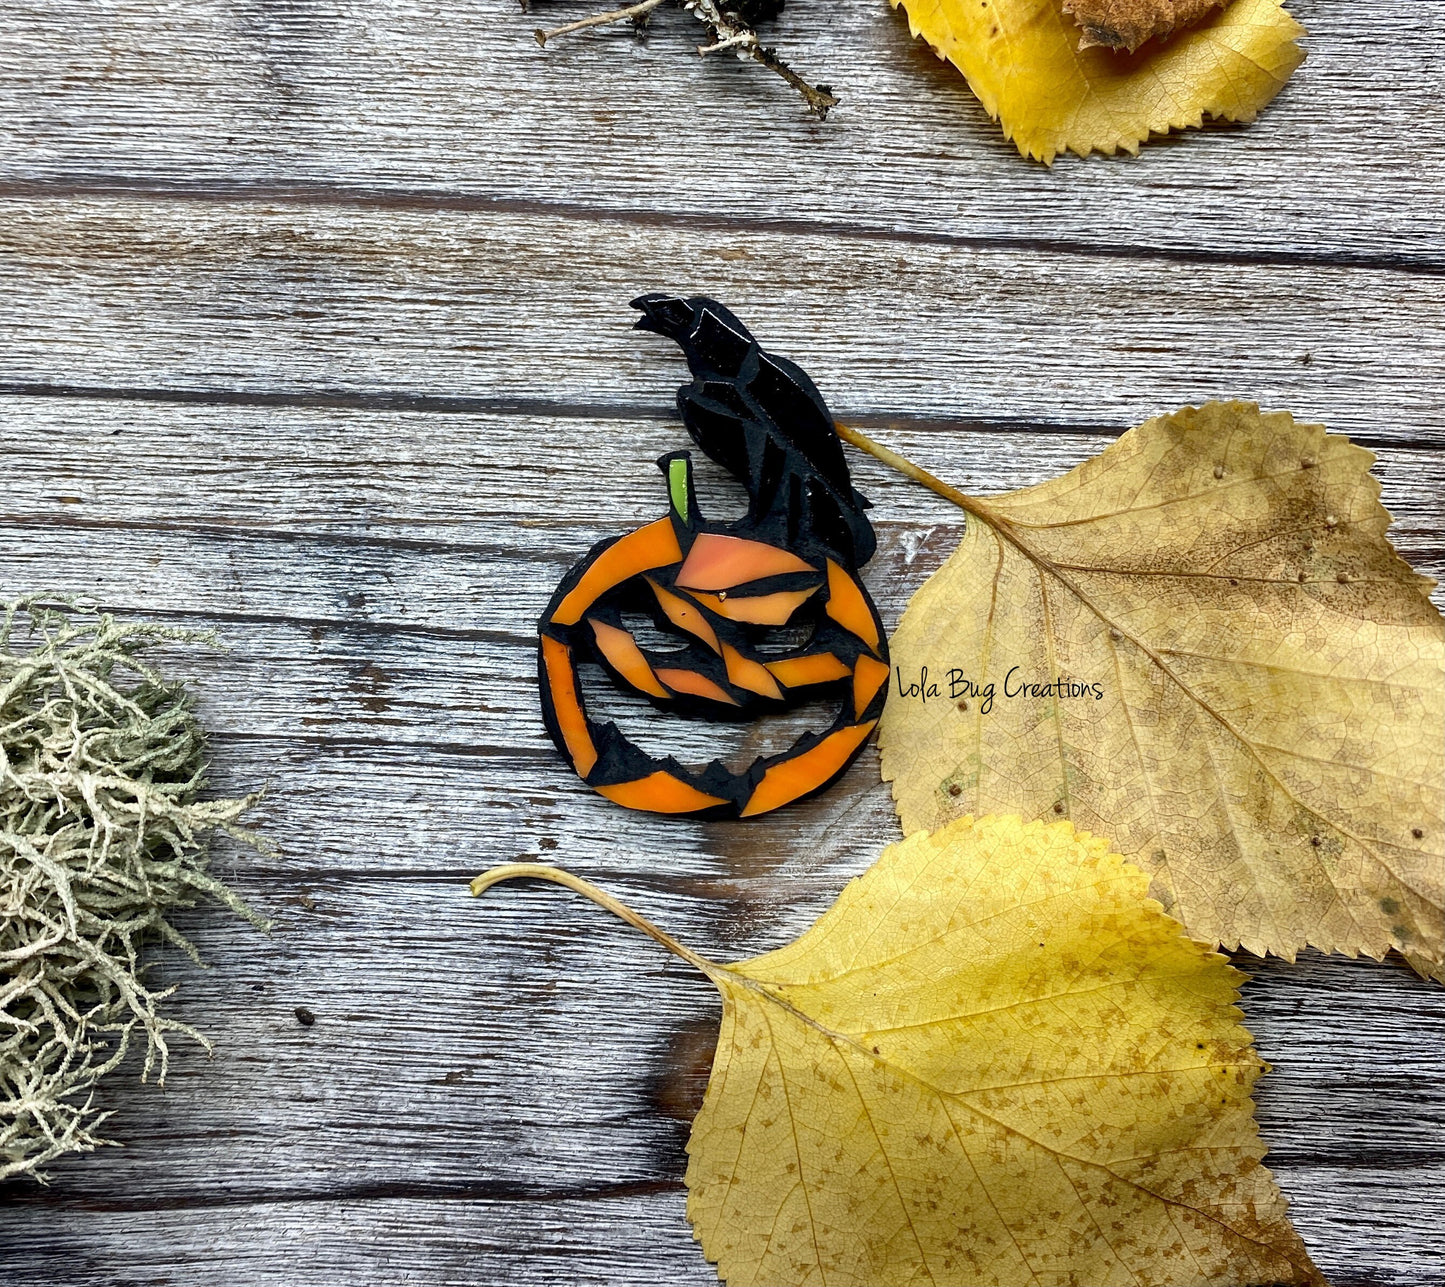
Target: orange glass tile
point(848, 607)
point(660, 793)
point(790, 779)
point(689, 681)
point(684, 615)
point(869, 675)
point(622, 652)
point(748, 674)
point(649, 547)
point(718, 562)
point(800, 672)
point(757, 609)
point(562, 681)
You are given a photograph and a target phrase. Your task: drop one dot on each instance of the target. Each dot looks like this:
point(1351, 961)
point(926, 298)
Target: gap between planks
point(138, 188)
point(471, 404)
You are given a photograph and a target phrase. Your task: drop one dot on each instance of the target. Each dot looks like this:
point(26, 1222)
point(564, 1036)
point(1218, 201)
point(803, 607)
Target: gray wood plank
point(463, 1242)
point(518, 310)
point(307, 507)
point(455, 101)
point(512, 482)
point(589, 1241)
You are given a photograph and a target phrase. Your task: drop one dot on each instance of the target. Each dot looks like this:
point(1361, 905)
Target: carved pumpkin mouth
point(761, 615)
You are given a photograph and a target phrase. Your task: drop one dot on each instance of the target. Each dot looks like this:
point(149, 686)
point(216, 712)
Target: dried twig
point(728, 28)
point(599, 20)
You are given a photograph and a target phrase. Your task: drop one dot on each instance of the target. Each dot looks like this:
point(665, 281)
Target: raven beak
point(663, 314)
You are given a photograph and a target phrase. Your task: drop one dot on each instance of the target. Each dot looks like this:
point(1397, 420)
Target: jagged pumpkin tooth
point(660, 792)
point(684, 615)
point(802, 672)
point(848, 607)
point(869, 676)
point(626, 658)
point(718, 562)
point(566, 706)
point(749, 674)
point(689, 681)
point(806, 772)
point(649, 547)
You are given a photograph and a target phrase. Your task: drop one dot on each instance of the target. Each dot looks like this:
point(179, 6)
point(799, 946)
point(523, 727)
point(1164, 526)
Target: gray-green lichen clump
point(102, 836)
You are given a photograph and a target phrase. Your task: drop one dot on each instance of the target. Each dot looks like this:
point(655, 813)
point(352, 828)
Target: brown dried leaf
point(1127, 24)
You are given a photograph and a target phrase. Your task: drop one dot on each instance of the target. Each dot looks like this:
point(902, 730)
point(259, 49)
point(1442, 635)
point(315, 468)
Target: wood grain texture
point(436, 102)
point(314, 331)
point(379, 303)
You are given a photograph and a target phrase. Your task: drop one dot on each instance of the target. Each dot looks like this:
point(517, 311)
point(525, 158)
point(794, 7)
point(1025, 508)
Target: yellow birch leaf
point(1022, 59)
point(1269, 739)
point(993, 1061)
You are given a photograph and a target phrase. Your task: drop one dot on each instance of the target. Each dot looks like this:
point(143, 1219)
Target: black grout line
point(417, 198)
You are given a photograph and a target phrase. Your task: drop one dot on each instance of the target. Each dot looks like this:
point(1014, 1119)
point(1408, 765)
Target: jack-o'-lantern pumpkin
point(725, 588)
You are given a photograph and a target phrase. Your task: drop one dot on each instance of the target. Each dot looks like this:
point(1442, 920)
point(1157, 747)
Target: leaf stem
point(540, 871)
point(969, 504)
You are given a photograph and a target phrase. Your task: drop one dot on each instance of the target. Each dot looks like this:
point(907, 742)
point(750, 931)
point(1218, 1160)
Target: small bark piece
point(1127, 24)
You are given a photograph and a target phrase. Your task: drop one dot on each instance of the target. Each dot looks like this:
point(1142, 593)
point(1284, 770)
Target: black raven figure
point(764, 421)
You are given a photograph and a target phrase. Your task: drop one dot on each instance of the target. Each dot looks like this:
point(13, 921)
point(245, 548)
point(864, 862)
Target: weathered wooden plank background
point(313, 329)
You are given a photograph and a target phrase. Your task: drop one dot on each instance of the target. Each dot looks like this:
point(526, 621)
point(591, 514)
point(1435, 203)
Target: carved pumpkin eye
point(727, 593)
